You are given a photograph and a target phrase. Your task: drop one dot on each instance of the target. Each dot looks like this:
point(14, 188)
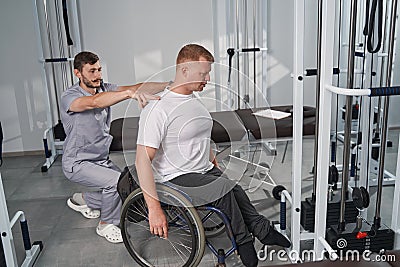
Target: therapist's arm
point(157, 218)
point(144, 91)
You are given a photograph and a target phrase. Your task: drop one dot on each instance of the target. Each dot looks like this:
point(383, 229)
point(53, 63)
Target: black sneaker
point(276, 238)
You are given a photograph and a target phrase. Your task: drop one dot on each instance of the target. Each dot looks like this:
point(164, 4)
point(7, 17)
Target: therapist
point(86, 117)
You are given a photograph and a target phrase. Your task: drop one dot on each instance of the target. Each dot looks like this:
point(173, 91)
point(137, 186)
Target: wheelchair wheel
point(212, 223)
point(186, 239)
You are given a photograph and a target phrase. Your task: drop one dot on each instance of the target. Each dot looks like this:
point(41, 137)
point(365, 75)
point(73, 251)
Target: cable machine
point(360, 235)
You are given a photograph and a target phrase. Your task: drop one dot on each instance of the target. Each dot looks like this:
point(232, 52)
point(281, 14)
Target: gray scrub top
point(88, 137)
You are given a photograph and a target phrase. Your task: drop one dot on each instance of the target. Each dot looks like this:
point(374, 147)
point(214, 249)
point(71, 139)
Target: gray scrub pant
point(216, 189)
point(103, 175)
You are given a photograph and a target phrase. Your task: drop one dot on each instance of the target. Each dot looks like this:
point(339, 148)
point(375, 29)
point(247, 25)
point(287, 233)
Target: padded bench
point(228, 126)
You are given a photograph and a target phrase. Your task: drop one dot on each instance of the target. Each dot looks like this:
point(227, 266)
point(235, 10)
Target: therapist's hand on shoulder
point(158, 222)
point(143, 98)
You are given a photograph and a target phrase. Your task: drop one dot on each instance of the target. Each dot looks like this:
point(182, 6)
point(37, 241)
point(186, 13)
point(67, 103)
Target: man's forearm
point(157, 219)
point(100, 100)
point(146, 180)
point(147, 87)
point(106, 99)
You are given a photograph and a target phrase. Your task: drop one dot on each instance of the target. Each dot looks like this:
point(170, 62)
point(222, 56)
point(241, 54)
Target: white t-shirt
point(179, 127)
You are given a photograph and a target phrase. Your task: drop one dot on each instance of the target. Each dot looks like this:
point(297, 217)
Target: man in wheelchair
point(174, 146)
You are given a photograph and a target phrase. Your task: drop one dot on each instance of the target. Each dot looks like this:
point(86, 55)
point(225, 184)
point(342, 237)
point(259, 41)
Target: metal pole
point(317, 95)
point(245, 43)
point(325, 117)
point(264, 43)
point(237, 47)
point(255, 8)
point(229, 22)
point(218, 97)
point(349, 104)
point(298, 103)
point(382, 151)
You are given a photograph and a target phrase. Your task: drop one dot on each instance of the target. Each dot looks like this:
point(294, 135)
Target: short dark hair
point(83, 58)
point(193, 52)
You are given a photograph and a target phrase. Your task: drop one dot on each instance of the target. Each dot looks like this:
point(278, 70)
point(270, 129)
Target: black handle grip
point(313, 72)
point(385, 91)
point(51, 60)
point(255, 49)
point(25, 235)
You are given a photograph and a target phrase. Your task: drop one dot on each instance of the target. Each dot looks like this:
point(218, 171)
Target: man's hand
point(158, 222)
point(143, 98)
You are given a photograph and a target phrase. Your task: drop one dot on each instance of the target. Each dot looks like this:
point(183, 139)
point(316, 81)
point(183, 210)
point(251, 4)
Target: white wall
point(138, 39)
point(22, 109)
point(135, 40)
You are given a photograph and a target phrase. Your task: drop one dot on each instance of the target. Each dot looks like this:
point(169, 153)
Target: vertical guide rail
point(255, 21)
point(317, 93)
point(298, 97)
point(396, 204)
point(238, 8)
point(324, 123)
point(348, 119)
point(217, 72)
point(264, 43)
point(245, 43)
point(382, 150)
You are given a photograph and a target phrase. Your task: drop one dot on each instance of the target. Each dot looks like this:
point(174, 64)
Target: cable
point(369, 28)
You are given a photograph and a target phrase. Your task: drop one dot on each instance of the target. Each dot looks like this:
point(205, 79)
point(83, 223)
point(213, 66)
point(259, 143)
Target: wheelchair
point(189, 230)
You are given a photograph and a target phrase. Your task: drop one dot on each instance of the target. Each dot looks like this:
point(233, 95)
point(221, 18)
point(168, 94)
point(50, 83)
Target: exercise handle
point(313, 72)
point(385, 91)
point(66, 25)
point(231, 53)
point(54, 60)
point(255, 49)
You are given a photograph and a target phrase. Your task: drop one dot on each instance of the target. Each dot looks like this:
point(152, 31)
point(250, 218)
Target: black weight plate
point(365, 196)
point(357, 198)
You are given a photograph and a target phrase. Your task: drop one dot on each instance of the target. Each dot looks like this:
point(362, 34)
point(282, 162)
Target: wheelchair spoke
point(180, 253)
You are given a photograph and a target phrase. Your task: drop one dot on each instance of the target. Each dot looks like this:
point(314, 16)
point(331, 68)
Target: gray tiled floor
point(70, 239)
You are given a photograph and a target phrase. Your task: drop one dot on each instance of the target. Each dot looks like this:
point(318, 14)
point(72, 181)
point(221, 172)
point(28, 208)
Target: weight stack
point(375, 241)
point(307, 218)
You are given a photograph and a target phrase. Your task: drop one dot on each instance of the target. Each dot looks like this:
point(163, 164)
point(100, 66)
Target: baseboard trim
point(23, 153)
